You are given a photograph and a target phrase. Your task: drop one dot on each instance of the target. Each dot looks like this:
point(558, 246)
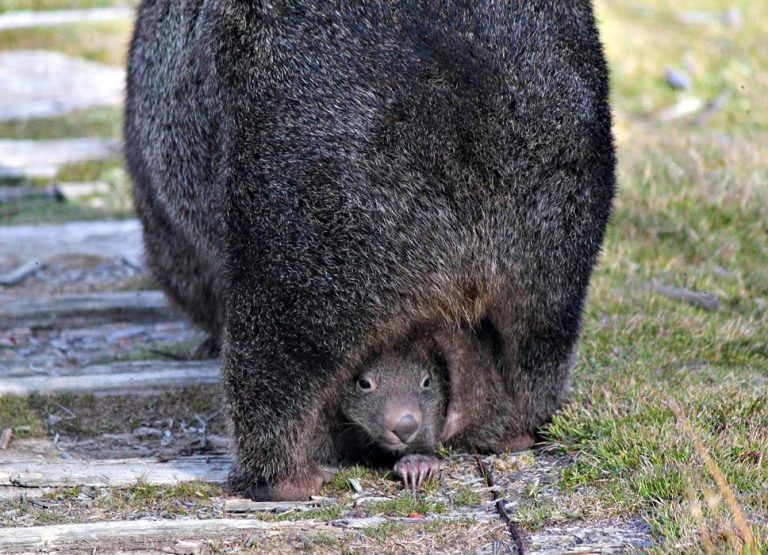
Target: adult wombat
point(323, 182)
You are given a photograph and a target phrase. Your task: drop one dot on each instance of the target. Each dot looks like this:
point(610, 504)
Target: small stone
point(697, 18)
point(677, 79)
point(370, 500)
point(60, 344)
point(733, 18)
point(5, 438)
point(369, 522)
point(167, 438)
point(685, 107)
point(355, 483)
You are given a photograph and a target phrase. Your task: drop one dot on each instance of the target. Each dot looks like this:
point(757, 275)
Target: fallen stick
point(18, 275)
point(707, 301)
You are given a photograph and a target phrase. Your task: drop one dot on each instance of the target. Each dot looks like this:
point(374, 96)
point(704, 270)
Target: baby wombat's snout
point(404, 423)
point(399, 401)
point(401, 406)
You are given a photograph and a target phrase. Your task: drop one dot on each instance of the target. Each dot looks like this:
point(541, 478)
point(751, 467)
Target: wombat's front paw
point(416, 469)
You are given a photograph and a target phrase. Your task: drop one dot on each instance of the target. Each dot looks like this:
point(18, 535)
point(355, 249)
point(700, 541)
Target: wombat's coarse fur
point(324, 181)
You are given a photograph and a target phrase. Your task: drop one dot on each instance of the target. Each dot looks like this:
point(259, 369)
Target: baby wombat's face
point(399, 402)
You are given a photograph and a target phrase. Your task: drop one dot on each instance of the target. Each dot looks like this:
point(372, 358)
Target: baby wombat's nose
point(406, 427)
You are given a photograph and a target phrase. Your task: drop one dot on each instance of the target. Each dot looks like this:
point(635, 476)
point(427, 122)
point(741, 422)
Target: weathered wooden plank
point(85, 309)
point(64, 351)
point(69, 84)
point(119, 473)
point(51, 18)
point(140, 532)
point(248, 506)
point(121, 377)
point(24, 243)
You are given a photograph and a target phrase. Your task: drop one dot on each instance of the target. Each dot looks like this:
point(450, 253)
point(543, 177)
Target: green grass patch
point(404, 505)
point(23, 415)
point(104, 42)
point(170, 501)
point(33, 211)
point(90, 415)
point(115, 203)
point(88, 170)
point(463, 496)
point(387, 531)
point(325, 514)
point(339, 483)
point(11, 5)
point(94, 122)
point(689, 213)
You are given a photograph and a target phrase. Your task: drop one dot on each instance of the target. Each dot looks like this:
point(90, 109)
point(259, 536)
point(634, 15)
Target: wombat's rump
point(323, 181)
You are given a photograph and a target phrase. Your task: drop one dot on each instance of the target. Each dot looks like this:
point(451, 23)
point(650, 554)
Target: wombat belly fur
point(321, 181)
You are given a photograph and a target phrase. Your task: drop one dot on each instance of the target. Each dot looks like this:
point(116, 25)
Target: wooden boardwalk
point(125, 407)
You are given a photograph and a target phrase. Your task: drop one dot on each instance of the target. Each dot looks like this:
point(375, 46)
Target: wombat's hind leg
point(299, 487)
point(417, 469)
point(520, 442)
point(208, 348)
point(464, 367)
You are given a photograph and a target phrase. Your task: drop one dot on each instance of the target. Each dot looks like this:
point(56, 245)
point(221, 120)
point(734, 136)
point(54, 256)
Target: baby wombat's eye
point(426, 382)
point(365, 384)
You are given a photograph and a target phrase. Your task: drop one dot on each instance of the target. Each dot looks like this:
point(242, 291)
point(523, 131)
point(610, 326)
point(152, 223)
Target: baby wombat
point(399, 402)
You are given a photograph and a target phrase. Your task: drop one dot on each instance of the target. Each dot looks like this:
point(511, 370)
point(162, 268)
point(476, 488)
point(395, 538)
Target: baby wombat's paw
point(293, 488)
point(416, 469)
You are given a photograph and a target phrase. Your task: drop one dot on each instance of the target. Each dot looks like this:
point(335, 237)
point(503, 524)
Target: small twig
point(66, 410)
point(168, 354)
point(18, 275)
point(502, 512)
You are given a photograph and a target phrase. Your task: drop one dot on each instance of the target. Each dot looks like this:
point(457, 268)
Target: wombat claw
point(417, 469)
